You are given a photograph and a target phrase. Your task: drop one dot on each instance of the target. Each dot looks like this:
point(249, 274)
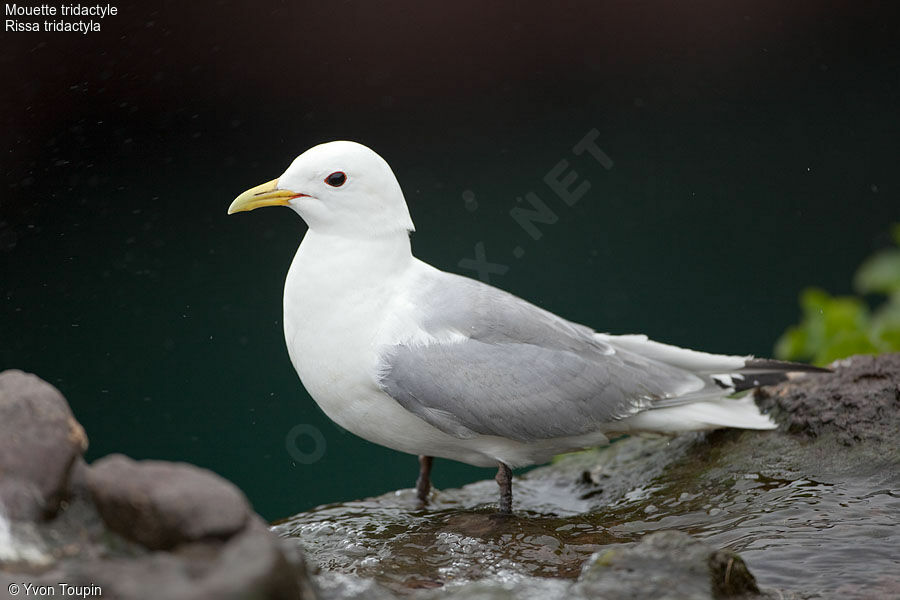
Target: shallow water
point(795, 535)
point(820, 538)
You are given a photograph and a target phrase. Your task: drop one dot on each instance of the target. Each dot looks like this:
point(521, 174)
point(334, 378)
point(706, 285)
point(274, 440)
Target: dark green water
point(754, 152)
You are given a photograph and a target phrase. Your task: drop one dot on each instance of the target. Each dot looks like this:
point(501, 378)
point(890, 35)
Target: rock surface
point(161, 504)
point(666, 565)
point(248, 566)
point(126, 529)
point(859, 402)
point(40, 442)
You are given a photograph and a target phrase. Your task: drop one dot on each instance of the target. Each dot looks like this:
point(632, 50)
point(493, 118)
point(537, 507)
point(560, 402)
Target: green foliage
point(834, 327)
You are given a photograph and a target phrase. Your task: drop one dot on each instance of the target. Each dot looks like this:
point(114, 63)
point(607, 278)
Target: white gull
point(435, 364)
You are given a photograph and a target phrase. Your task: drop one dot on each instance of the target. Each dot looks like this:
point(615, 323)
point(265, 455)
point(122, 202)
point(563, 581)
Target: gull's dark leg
point(423, 483)
point(504, 480)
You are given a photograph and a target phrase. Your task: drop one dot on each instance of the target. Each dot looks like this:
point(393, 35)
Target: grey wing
point(522, 372)
point(485, 313)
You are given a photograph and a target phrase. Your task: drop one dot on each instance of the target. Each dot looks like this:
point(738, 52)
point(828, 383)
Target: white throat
point(339, 284)
point(350, 263)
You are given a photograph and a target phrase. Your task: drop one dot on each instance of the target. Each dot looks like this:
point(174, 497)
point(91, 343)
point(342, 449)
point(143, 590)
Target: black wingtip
point(766, 371)
point(769, 364)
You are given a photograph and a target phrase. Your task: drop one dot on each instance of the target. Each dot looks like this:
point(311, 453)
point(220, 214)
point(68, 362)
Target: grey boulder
point(41, 441)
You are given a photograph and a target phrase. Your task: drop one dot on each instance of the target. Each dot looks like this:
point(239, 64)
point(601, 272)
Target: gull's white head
point(343, 188)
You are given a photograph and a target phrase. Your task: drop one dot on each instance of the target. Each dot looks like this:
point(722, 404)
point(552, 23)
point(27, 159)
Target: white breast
point(338, 311)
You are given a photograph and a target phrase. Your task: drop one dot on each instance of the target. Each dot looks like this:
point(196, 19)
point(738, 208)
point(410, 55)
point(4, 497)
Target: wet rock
point(523, 588)
point(251, 565)
point(39, 442)
point(859, 401)
point(666, 565)
point(729, 576)
point(161, 505)
point(338, 586)
point(562, 517)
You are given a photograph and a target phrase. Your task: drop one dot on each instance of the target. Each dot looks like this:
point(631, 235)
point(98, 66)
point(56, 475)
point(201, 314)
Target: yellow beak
point(266, 194)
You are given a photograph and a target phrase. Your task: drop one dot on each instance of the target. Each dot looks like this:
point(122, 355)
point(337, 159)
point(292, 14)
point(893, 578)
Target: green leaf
point(813, 300)
point(833, 327)
point(845, 313)
point(845, 343)
point(879, 274)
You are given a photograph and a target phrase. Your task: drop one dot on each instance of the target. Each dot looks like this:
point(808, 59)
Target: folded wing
point(514, 370)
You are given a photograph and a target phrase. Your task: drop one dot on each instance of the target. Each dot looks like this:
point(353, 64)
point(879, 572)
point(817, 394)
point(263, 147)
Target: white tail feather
point(691, 360)
point(700, 416)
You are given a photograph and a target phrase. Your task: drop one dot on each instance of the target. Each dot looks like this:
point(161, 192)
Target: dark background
point(755, 144)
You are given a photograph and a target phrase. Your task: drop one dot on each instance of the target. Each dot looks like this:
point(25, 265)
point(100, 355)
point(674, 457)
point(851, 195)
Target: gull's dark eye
point(336, 179)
